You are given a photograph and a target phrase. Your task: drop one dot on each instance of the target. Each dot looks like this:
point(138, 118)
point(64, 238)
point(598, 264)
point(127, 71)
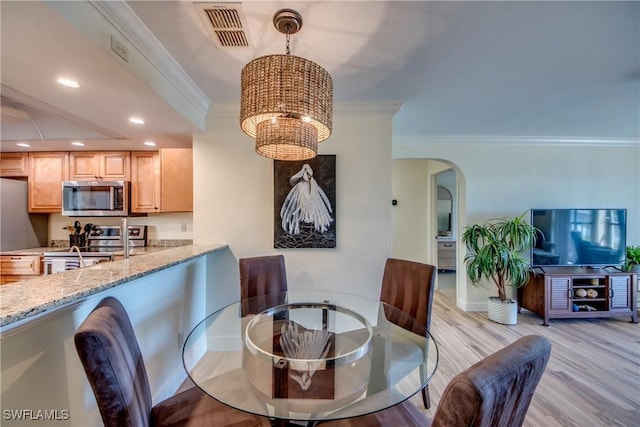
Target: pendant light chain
point(288, 39)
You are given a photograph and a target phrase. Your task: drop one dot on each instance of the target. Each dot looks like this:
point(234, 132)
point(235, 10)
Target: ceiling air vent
point(224, 23)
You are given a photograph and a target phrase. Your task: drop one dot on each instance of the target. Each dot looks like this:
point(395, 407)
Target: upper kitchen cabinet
point(99, 166)
point(162, 181)
point(145, 181)
point(14, 164)
point(176, 176)
point(47, 170)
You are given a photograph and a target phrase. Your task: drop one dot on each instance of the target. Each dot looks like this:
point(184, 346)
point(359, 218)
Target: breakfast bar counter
point(31, 251)
point(22, 300)
point(40, 251)
point(166, 292)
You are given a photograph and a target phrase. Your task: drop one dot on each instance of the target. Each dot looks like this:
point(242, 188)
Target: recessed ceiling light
point(68, 83)
point(136, 120)
point(78, 143)
point(150, 143)
point(23, 144)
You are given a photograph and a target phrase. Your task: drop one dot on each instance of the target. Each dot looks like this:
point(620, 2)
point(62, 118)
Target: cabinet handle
point(570, 293)
point(611, 293)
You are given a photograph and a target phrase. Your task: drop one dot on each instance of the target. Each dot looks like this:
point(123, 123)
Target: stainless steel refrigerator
point(18, 228)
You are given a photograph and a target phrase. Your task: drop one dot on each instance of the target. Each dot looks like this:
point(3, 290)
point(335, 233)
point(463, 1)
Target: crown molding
point(124, 20)
point(462, 140)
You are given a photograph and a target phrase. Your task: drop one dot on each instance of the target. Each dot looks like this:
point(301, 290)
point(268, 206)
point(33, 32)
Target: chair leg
point(426, 399)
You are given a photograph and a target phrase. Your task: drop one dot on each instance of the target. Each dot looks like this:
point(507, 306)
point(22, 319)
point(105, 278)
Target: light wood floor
point(592, 379)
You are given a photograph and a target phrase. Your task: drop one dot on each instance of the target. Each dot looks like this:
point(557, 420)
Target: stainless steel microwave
point(95, 198)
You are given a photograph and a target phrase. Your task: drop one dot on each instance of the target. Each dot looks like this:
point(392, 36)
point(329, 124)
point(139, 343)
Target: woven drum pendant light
point(286, 101)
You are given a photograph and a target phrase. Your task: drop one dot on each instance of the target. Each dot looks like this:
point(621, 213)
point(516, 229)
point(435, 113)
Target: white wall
point(233, 201)
point(510, 177)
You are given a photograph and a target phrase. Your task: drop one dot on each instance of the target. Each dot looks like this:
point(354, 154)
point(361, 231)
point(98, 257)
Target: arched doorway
point(415, 222)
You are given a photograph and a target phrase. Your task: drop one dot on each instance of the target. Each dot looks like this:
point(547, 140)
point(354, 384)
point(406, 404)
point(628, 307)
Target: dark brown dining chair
point(495, 392)
point(408, 286)
point(110, 355)
point(262, 276)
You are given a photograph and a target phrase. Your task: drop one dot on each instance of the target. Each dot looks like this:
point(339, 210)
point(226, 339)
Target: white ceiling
point(471, 69)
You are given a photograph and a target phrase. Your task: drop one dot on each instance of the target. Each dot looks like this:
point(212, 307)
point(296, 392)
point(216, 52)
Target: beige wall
point(410, 184)
point(414, 222)
point(234, 201)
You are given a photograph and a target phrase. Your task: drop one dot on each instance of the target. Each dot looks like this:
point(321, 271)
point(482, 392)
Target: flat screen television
point(579, 237)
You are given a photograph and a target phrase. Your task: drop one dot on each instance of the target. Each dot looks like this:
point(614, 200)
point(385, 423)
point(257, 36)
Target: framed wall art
point(305, 203)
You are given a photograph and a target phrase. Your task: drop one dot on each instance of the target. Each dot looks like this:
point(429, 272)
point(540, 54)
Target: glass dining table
point(310, 356)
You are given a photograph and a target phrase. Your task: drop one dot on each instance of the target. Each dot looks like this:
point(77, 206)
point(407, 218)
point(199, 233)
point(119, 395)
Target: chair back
point(497, 390)
point(263, 276)
point(408, 286)
point(110, 355)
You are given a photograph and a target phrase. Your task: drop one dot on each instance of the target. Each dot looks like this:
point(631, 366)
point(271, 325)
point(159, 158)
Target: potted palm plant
point(495, 252)
point(632, 263)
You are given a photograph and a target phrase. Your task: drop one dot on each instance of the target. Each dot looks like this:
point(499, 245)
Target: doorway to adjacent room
point(446, 226)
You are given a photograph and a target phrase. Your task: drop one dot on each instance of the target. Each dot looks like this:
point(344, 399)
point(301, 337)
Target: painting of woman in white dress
point(305, 203)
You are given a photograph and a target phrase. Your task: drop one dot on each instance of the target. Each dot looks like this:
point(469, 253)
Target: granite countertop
point(33, 251)
point(21, 300)
point(136, 250)
point(48, 249)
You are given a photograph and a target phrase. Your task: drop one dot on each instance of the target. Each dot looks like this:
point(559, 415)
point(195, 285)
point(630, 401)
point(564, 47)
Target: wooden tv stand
point(558, 293)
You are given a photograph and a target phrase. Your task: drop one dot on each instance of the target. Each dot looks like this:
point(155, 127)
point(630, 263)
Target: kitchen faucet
point(77, 249)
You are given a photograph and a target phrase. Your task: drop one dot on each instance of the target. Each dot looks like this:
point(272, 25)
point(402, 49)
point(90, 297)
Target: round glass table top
point(277, 334)
point(310, 355)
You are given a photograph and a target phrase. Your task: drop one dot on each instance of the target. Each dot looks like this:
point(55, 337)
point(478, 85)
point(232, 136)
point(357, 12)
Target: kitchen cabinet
point(99, 166)
point(447, 255)
point(19, 267)
point(145, 181)
point(47, 170)
point(14, 164)
point(176, 177)
point(162, 181)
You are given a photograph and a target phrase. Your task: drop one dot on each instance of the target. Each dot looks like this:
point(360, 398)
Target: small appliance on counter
point(102, 241)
